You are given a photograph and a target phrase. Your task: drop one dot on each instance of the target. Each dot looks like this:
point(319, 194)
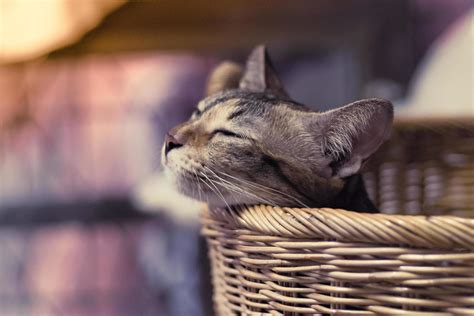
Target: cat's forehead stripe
point(236, 113)
point(216, 102)
point(253, 103)
point(237, 95)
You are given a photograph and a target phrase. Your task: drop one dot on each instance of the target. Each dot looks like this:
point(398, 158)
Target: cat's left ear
point(225, 76)
point(351, 134)
point(260, 76)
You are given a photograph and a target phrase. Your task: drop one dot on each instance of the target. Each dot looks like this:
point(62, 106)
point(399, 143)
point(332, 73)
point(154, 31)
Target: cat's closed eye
point(225, 132)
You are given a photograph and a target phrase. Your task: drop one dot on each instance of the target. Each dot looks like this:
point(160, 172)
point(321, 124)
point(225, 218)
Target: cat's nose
point(171, 143)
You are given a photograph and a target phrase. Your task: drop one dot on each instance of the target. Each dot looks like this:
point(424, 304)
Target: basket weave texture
point(287, 261)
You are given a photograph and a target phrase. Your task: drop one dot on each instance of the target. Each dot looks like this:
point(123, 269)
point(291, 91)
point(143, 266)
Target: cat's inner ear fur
point(260, 76)
point(351, 134)
point(225, 76)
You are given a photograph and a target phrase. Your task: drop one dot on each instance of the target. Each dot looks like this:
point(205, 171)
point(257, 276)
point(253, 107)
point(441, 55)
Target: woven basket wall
point(282, 261)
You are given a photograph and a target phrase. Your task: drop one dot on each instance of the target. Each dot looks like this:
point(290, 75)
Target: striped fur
point(249, 143)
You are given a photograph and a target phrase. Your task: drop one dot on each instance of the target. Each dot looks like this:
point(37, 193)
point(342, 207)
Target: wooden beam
point(228, 26)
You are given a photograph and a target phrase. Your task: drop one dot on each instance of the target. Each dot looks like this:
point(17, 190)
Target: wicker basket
point(283, 261)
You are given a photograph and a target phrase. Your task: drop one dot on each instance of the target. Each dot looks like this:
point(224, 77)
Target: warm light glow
point(30, 28)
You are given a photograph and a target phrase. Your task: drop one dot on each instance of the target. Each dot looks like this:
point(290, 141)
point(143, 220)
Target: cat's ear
point(351, 134)
point(260, 76)
point(225, 76)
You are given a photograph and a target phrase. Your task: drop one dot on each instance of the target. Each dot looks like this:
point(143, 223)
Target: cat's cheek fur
point(179, 169)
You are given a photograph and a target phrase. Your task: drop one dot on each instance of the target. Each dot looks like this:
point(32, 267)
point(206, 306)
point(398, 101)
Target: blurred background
point(89, 88)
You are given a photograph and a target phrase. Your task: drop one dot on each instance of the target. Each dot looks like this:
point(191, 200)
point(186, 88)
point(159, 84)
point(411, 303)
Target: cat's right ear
point(349, 135)
point(225, 76)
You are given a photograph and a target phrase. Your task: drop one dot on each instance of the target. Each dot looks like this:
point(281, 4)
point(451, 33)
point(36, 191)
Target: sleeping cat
point(249, 143)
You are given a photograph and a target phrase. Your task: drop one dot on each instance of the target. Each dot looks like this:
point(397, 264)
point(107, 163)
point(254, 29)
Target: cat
point(249, 143)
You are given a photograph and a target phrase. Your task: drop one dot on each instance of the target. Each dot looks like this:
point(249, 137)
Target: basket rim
point(439, 231)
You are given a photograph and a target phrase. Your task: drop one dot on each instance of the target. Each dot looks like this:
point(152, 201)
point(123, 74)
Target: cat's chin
point(222, 200)
point(202, 192)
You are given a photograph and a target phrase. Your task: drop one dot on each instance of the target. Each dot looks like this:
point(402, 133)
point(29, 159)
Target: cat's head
point(249, 143)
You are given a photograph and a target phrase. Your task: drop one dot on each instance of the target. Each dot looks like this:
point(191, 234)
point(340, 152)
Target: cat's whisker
point(264, 188)
point(210, 188)
point(194, 185)
point(221, 179)
point(271, 191)
point(248, 194)
point(254, 184)
point(234, 187)
point(228, 188)
point(219, 193)
point(230, 185)
point(233, 192)
point(252, 194)
point(200, 190)
point(198, 184)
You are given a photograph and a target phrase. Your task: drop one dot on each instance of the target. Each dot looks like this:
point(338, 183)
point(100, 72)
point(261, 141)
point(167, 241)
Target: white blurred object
point(158, 194)
point(443, 83)
point(29, 29)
